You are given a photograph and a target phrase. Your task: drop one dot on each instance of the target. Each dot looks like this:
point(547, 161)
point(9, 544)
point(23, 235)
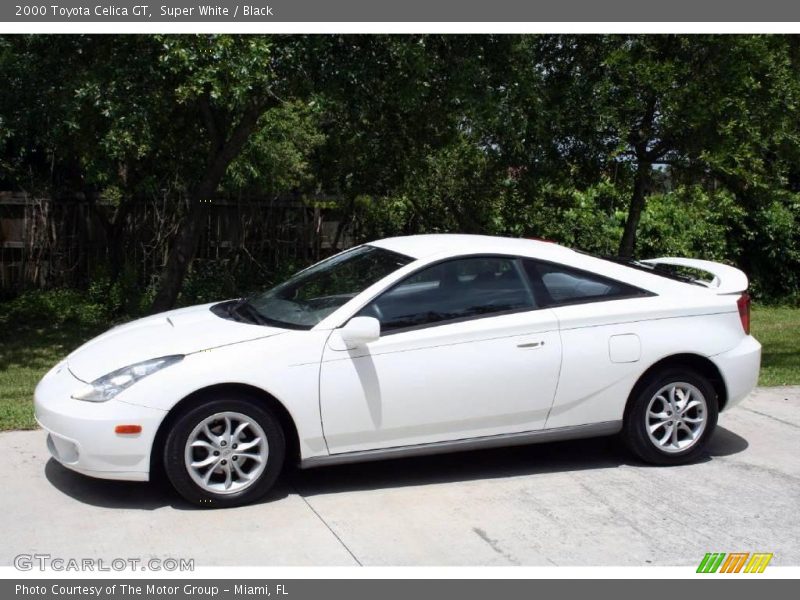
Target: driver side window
point(450, 291)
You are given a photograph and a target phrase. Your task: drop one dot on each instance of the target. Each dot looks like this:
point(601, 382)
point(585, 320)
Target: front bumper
point(739, 368)
point(81, 434)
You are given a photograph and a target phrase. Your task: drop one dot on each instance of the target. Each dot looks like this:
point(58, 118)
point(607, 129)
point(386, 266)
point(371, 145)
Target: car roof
point(443, 245)
point(455, 244)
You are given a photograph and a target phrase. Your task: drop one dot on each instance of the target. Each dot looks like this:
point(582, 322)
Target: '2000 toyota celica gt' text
point(404, 346)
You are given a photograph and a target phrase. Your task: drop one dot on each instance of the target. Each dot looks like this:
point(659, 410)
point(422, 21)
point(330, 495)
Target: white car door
point(601, 321)
point(464, 352)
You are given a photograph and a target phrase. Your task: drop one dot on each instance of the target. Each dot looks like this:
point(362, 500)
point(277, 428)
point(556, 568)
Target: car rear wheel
point(224, 452)
point(671, 417)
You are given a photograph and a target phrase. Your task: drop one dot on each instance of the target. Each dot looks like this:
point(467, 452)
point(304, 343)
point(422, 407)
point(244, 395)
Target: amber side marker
point(128, 429)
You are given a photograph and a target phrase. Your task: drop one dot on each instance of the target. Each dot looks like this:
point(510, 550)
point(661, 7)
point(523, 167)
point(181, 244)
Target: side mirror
point(360, 331)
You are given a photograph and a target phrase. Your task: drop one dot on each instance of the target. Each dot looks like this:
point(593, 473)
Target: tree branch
point(219, 161)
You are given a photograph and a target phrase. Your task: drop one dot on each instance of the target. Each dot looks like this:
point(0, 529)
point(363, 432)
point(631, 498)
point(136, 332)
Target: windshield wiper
point(246, 311)
point(242, 310)
point(232, 308)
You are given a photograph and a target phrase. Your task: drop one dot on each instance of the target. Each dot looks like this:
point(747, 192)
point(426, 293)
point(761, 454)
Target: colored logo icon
point(734, 562)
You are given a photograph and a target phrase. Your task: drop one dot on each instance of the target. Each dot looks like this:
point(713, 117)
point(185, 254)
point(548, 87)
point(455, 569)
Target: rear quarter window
point(557, 284)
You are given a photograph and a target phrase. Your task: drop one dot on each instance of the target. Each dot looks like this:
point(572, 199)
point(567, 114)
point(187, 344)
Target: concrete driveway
point(570, 503)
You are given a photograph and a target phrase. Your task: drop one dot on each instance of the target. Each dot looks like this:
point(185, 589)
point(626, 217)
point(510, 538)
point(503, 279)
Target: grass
point(27, 354)
point(778, 330)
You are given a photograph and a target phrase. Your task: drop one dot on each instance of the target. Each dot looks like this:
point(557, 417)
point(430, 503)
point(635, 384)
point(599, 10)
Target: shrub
point(691, 222)
point(38, 307)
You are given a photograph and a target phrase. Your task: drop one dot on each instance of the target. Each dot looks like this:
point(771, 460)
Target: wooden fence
point(47, 243)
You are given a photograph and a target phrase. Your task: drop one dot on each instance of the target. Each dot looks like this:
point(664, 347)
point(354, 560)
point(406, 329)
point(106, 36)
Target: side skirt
point(489, 441)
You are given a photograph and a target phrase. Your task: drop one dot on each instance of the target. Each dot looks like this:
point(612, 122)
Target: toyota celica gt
point(408, 346)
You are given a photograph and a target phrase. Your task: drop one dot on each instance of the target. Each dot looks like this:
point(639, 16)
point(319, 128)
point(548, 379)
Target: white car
point(405, 346)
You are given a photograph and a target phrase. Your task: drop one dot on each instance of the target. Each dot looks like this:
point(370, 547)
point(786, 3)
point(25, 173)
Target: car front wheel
point(224, 452)
point(671, 418)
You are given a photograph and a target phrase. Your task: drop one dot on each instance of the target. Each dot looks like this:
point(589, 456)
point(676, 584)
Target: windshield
point(309, 296)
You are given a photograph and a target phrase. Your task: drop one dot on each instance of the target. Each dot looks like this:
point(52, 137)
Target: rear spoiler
point(726, 279)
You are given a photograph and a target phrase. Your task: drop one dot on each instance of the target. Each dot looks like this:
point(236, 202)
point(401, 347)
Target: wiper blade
point(244, 309)
point(233, 307)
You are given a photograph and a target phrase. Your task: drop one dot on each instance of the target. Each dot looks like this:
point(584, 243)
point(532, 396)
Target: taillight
point(744, 311)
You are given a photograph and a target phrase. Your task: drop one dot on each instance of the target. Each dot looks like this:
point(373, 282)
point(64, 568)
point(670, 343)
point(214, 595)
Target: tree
point(522, 135)
point(138, 117)
point(230, 83)
point(646, 106)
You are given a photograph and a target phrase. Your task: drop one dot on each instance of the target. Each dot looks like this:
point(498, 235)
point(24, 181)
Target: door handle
point(531, 345)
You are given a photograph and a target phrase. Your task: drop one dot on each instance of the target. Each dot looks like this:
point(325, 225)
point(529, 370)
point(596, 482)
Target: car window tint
point(556, 284)
point(452, 290)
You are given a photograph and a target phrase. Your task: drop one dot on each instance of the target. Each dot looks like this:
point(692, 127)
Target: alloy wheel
point(676, 417)
point(226, 452)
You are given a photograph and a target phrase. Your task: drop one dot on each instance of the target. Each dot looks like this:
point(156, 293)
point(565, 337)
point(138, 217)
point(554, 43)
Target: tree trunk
point(641, 183)
point(115, 238)
point(346, 217)
point(113, 229)
point(185, 244)
point(180, 257)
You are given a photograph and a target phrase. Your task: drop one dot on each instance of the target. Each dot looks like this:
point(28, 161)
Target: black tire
point(174, 448)
point(635, 427)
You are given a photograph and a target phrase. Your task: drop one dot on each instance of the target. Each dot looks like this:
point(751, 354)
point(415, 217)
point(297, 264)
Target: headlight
point(108, 386)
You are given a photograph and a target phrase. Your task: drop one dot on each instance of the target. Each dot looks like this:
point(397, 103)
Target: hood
point(181, 331)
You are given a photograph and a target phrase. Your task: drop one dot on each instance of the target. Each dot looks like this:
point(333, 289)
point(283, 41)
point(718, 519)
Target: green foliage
point(586, 219)
point(690, 221)
point(278, 155)
point(106, 300)
point(772, 249)
point(212, 280)
point(555, 136)
point(53, 307)
point(380, 217)
point(225, 68)
point(454, 189)
point(118, 296)
point(209, 281)
point(134, 115)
